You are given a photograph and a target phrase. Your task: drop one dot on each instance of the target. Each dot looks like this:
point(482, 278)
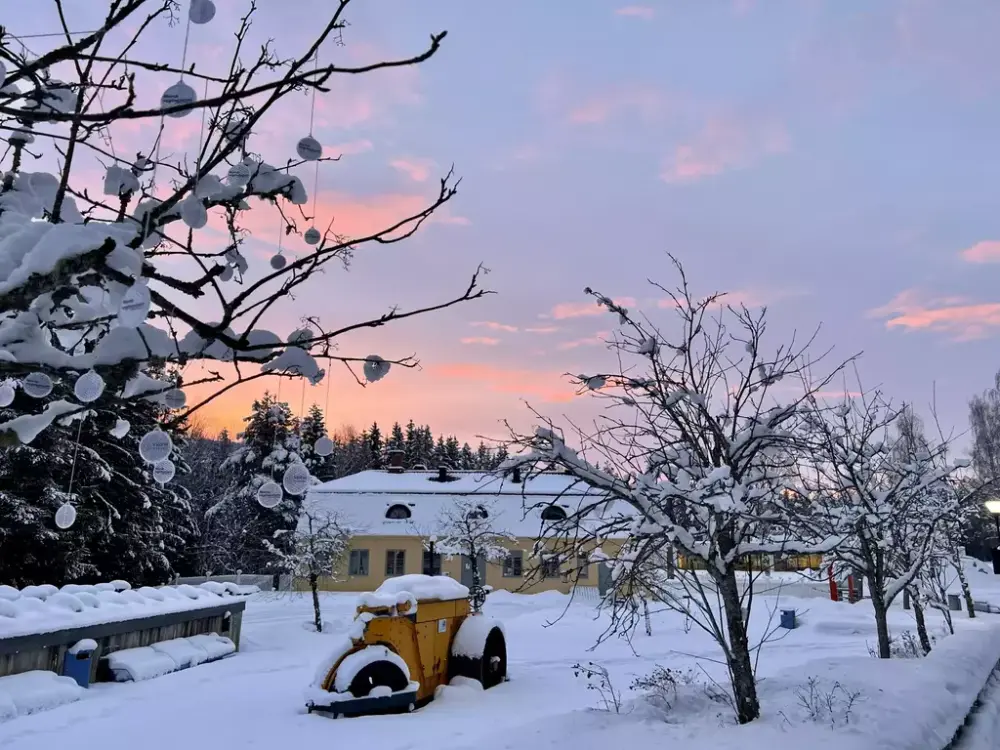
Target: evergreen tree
point(440, 455)
point(207, 483)
point(311, 429)
point(375, 447)
point(396, 440)
point(467, 459)
point(425, 453)
point(453, 453)
point(483, 457)
point(411, 446)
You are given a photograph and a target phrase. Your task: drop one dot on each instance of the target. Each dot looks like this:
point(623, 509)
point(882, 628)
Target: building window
point(395, 562)
point(513, 565)
point(553, 513)
point(550, 567)
point(358, 563)
point(432, 563)
point(398, 512)
point(583, 567)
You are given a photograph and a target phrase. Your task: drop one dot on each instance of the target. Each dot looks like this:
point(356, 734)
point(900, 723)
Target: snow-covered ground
point(255, 699)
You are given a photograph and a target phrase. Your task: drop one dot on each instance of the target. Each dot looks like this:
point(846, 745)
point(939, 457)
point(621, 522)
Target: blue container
point(77, 665)
point(788, 619)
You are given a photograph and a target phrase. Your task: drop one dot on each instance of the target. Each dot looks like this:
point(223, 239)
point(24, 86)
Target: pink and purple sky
point(835, 161)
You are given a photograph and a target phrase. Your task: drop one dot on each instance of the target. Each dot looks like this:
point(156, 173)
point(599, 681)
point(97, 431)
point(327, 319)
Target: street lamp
point(993, 506)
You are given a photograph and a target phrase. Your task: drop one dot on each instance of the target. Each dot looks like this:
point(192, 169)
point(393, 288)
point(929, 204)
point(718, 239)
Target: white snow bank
point(376, 600)
point(425, 588)
point(44, 609)
point(323, 668)
point(354, 663)
point(147, 662)
point(470, 640)
point(29, 692)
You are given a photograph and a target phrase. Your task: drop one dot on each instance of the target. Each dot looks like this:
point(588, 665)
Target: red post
point(833, 584)
point(850, 589)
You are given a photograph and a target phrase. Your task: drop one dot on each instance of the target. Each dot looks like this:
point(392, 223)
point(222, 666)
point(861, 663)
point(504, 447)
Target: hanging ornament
point(226, 274)
point(163, 471)
point(6, 395)
point(201, 11)
point(155, 446)
point(278, 261)
point(37, 385)
point(323, 446)
point(595, 382)
point(309, 149)
point(134, 306)
point(312, 236)
point(175, 399)
point(295, 480)
point(178, 94)
point(65, 516)
point(236, 129)
point(269, 494)
point(121, 428)
point(88, 387)
point(193, 212)
point(376, 368)
point(239, 174)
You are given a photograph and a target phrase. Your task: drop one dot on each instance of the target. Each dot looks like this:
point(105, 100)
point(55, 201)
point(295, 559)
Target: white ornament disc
point(163, 471)
point(201, 11)
point(178, 94)
point(239, 174)
point(296, 479)
point(324, 446)
point(227, 274)
point(269, 494)
point(193, 212)
point(309, 149)
point(236, 129)
point(312, 236)
point(175, 399)
point(278, 261)
point(121, 428)
point(134, 306)
point(596, 382)
point(155, 446)
point(375, 368)
point(88, 387)
point(65, 516)
point(37, 385)
point(6, 395)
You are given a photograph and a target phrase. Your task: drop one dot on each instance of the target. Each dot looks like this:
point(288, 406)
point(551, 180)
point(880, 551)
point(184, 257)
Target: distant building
point(396, 516)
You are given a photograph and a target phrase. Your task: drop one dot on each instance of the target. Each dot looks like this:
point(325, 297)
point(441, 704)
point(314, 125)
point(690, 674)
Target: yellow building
point(396, 515)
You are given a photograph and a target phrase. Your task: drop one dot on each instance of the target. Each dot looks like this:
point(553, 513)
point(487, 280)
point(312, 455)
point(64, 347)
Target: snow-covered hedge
point(44, 609)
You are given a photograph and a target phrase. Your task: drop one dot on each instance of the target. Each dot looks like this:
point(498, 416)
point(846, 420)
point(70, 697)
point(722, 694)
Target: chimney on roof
point(395, 461)
point(515, 475)
point(442, 473)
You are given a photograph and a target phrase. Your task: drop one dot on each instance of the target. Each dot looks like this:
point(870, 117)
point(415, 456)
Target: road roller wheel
point(490, 669)
point(378, 674)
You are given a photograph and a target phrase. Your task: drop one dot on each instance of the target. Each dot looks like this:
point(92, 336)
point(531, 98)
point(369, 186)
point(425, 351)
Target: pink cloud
point(957, 317)
point(541, 329)
point(636, 11)
point(494, 326)
point(416, 169)
point(481, 340)
point(595, 340)
point(643, 101)
point(546, 386)
point(724, 144)
point(565, 310)
point(987, 251)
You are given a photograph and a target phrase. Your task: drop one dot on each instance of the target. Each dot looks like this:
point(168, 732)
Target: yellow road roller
point(409, 637)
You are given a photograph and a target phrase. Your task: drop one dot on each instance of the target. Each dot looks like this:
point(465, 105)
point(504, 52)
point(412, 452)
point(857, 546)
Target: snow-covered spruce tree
point(113, 281)
point(698, 441)
point(883, 494)
point(468, 527)
point(314, 548)
point(312, 428)
point(206, 482)
point(269, 444)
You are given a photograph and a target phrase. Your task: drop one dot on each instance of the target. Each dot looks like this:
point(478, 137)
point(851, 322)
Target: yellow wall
point(529, 582)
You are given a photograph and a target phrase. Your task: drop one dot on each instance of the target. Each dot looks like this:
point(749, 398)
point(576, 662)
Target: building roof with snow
point(411, 502)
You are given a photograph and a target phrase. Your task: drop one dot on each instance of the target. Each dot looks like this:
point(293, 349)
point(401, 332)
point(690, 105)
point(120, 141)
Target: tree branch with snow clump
point(886, 490)
point(698, 449)
point(118, 279)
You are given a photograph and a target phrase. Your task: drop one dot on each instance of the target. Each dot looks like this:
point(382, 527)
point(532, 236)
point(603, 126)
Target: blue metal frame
point(366, 706)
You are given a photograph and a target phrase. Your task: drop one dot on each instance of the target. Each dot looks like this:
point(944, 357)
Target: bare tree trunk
point(918, 613)
point(314, 587)
point(645, 615)
point(740, 663)
point(906, 599)
point(956, 561)
point(881, 619)
point(671, 563)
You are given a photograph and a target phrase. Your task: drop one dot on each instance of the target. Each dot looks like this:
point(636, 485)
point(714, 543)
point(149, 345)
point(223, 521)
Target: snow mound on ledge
point(424, 588)
point(30, 692)
point(46, 608)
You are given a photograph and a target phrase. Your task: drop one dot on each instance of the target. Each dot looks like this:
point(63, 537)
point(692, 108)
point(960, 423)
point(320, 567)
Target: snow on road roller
point(414, 634)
